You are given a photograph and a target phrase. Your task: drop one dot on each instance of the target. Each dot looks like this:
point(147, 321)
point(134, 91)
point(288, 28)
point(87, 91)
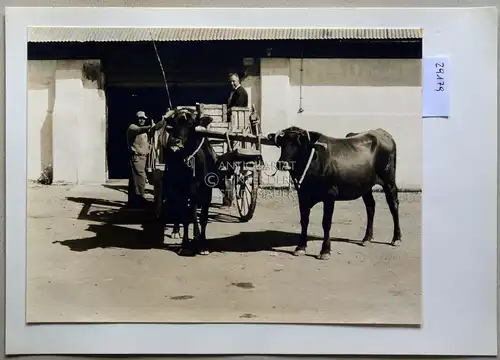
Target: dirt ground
point(87, 262)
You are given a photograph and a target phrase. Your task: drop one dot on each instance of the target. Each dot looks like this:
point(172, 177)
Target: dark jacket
point(238, 98)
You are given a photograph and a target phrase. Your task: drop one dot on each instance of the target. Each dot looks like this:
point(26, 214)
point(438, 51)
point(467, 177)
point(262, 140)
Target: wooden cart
point(237, 133)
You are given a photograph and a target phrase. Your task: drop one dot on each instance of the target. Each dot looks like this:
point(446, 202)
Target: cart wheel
point(246, 191)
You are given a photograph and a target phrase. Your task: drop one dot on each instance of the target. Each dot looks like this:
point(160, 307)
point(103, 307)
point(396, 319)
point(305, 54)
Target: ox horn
point(168, 114)
point(278, 135)
point(308, 136)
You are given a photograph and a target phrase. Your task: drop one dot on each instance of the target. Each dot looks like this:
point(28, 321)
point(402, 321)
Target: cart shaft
point(235, 137)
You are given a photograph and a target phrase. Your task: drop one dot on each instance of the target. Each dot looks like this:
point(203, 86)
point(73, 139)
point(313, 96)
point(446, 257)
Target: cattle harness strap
point(298, 183)
point(190, 157)
point(308, 164)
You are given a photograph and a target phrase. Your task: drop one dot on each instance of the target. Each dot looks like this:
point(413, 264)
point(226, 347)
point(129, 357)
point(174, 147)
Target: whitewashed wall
point(344, 95)
point(252, 85)
point(41, 99)
point(66, 122)
point(275, 113)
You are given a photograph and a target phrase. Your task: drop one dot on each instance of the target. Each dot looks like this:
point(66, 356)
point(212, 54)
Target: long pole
point(162, 70)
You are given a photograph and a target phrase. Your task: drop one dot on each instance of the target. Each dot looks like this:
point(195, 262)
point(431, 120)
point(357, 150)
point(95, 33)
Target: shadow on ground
point(111, 234)
point(123, 188)
point(115, 212)
point(115, 236)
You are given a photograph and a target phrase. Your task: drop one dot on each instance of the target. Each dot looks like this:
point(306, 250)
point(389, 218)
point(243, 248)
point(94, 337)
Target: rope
point(162, 70)
point(151, 158)
point(157, 138)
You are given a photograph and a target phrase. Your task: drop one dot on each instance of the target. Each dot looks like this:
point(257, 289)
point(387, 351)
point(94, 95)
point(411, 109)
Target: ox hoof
point(396, 242)
point(204, 252)
point(366, 242)
point(325, 256)
point(299, 252)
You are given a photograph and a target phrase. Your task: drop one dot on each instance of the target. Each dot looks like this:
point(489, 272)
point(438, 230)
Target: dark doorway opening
point(124, 102)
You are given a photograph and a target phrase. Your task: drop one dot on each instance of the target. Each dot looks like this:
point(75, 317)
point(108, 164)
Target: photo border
point(459, 206)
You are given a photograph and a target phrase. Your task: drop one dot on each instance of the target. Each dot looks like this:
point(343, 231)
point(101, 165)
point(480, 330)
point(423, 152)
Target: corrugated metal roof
point(113, 34)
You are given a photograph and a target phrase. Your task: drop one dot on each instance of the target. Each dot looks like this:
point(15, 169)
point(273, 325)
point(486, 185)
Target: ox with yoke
point(189, 160)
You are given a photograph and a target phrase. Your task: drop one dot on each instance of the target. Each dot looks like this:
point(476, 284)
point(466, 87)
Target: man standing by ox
point(139, 147)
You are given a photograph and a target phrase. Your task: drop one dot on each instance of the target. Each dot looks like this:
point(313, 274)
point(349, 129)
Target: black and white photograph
point(224, 175)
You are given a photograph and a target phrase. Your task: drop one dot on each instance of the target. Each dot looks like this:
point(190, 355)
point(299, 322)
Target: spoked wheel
point(246, 191)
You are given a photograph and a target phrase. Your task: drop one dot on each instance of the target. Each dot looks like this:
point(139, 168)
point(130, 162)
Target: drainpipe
point(301, 110)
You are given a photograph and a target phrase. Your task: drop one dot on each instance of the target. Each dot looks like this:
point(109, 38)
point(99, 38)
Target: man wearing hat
point(139, 147)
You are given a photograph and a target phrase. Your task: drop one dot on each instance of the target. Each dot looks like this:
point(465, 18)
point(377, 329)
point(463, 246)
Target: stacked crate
point(219, 123)
point(240, 124)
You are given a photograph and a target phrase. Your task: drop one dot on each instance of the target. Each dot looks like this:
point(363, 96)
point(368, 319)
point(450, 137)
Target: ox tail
point(387, 142)
point(394, 159)
point(391, 163)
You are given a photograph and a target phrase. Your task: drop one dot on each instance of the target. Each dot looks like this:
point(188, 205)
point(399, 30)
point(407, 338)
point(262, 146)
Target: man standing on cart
point(237, 98)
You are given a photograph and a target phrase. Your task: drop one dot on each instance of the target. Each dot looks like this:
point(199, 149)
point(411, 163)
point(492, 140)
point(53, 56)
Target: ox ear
point(204, 121)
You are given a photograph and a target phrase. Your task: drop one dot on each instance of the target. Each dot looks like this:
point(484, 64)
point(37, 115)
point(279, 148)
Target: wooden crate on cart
point(218, 112)
point(240, 124)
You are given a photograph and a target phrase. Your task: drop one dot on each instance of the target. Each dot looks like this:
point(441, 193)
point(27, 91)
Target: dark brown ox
point(189, 159)
point(326, 169)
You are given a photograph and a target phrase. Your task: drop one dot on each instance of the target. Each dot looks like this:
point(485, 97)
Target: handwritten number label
point(436, 86)
point(439, 76)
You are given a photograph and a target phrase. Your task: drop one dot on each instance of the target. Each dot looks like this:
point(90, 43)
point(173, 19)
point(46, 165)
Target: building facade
point(85, 86)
